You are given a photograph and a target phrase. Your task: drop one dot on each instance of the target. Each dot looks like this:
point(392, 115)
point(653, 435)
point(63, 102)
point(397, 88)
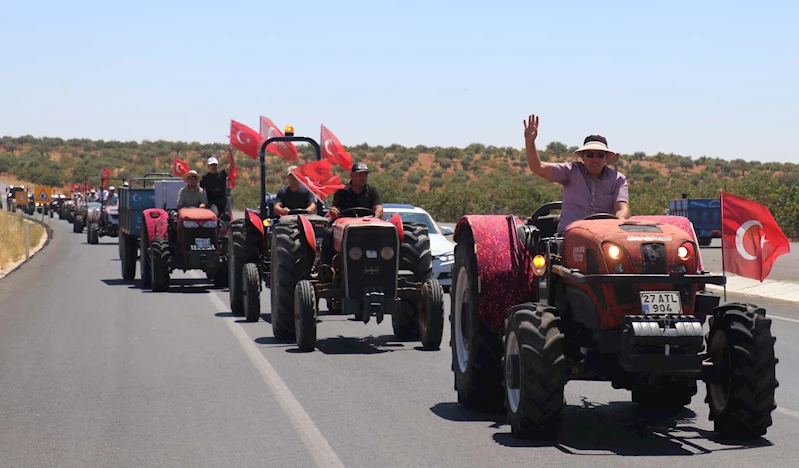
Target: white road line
point(788, 412)
point(316, 444)
point(782, 318)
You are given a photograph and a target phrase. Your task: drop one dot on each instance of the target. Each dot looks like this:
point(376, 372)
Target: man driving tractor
point(357, 194)
point(294, 196)
point(589, 186)
point(192, 195)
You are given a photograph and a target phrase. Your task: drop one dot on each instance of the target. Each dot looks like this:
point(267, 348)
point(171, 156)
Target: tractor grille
point(370, 274)
point(654, 258)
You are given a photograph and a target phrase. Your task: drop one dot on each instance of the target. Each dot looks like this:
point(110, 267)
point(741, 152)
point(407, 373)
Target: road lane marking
point(788, 412)
point(316, 444)
point(782, 318)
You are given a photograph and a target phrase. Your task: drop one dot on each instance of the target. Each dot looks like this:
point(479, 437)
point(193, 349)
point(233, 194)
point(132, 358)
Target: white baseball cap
point(212, 161)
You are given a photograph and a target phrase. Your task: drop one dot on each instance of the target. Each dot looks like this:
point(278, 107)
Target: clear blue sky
point(694, 78)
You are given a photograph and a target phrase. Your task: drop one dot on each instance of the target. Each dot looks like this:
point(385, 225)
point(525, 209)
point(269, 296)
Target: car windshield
point(414, 218)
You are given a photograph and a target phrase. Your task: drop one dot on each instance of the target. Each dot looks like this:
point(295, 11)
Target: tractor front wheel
point(159, 265)
point(251, 299)
point(431, 314)
point(305, 315)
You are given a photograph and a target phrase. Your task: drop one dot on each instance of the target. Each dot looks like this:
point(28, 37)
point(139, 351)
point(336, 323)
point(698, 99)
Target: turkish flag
point(751, 240)
point(106, 175)
point(316, 176)
point(284, 149)
point(180, 167)
point(333, 150)
point(233, 172)
point(244, 138)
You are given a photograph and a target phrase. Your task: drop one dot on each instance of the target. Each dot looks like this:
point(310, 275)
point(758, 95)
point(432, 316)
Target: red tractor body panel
point(504, 272)
point(586, 248)
point(342, 223)
point(156, 222)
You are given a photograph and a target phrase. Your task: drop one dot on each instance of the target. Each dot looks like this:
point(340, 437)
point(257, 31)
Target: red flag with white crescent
point(284, 149)
point(106, 175)
point(333, 150)
point(180, 167)
point(318, 178)
point(751, 240)
point(244, 138)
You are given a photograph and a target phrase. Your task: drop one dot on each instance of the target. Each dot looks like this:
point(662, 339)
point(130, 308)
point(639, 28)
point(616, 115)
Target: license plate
point(202, 243)
point(660, 302)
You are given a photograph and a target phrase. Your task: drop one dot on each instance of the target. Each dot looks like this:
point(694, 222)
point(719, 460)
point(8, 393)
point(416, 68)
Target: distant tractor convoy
point(615, 300)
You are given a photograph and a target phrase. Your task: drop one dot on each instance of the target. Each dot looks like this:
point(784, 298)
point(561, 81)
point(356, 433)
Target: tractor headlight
point(683, 253)
point(539, 265)
point(356, 253)
point(210, 224)
point(191, 224)
point(614, 251)
point(387, 253)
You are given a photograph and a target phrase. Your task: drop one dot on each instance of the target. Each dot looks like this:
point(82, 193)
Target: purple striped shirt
point(584, 195)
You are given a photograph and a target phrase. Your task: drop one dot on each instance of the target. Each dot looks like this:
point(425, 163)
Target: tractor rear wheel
point(144, 258)
point(414, 256)
point(251, 299)
point(305, 315)
point(127, 256)
point(535, 371)
point(159, 265)
point(476, 350)
point(741, 345)
point(77, 226)
point(237, 258)
point(93, 233)
point(290, 265)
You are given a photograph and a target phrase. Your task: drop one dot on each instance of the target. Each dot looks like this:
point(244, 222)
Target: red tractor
point(186, 239)
point(379, 268)
point(607, 300)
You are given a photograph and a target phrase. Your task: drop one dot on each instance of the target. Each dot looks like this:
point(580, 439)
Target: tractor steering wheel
point(600, 216)
point(357, 212)
point(544, 210)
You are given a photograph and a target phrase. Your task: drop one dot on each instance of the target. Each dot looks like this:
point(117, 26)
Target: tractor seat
point(548, 225)
point(196, 214)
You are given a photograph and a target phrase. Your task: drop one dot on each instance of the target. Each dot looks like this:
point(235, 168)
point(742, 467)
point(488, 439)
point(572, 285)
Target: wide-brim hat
point(598, 143)
point(189, 174)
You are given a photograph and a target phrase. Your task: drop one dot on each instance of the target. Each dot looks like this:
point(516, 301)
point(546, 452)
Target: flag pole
point(723, 269)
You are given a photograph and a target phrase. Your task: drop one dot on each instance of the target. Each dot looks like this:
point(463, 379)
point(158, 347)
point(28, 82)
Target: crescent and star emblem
point(739, 239)
point(238, 137)
point(327, 146)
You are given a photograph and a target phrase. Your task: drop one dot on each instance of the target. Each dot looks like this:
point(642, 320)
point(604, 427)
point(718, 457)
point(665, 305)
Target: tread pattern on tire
point(542, 371)
point(250, 283)
point(159, 256)
point(431, 324)
point(480, 387)
point(290, 265)
point(305, 315)
point(747, 413)
point(415, 256)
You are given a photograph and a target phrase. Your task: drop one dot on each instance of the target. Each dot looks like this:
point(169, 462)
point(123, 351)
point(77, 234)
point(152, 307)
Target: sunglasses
point(595, 154)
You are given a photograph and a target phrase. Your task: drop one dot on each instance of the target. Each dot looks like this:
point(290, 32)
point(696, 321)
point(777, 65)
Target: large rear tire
point(77, 226)
point(127, 254)
point(159, 265)
point(305, 315)
point(290, 265)
point(740, 343)
point(144, 258)
point(476, 350)
point(535, 371)
point(414, 256)
point(93, 233)
point(251, 299)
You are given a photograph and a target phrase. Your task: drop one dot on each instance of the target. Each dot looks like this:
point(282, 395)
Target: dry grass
point(12, 238)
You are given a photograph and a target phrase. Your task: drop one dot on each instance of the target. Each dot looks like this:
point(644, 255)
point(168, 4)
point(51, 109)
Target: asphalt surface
point(97, 372)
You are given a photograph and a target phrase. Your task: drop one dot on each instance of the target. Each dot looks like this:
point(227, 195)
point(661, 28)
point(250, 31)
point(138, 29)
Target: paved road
point(96, 372)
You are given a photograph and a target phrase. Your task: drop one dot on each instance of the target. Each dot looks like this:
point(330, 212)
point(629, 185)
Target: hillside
point(448, 182)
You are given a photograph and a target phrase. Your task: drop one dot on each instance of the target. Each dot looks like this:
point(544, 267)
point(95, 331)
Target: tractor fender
point(396, 220)
point(255, 220)
point(307, 230)
point(504, 270)
point(156, 222)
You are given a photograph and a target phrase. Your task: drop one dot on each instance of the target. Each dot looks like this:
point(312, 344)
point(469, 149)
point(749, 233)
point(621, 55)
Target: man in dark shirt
point(357, 194)
point(215, 185)
point(294, 197)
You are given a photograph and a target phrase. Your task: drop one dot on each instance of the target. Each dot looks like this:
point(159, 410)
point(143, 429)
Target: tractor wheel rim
point(512, 367)
point(463, 307)
point(720, 353)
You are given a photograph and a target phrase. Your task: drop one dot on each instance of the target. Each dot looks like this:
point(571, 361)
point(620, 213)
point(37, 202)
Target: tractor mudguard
point(255, 220)
point(156, 221)
point(307, 229)
point(504, 272)
point(396, 220)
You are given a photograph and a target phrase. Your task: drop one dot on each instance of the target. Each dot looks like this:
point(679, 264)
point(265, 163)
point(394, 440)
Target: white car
point(443, 249)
